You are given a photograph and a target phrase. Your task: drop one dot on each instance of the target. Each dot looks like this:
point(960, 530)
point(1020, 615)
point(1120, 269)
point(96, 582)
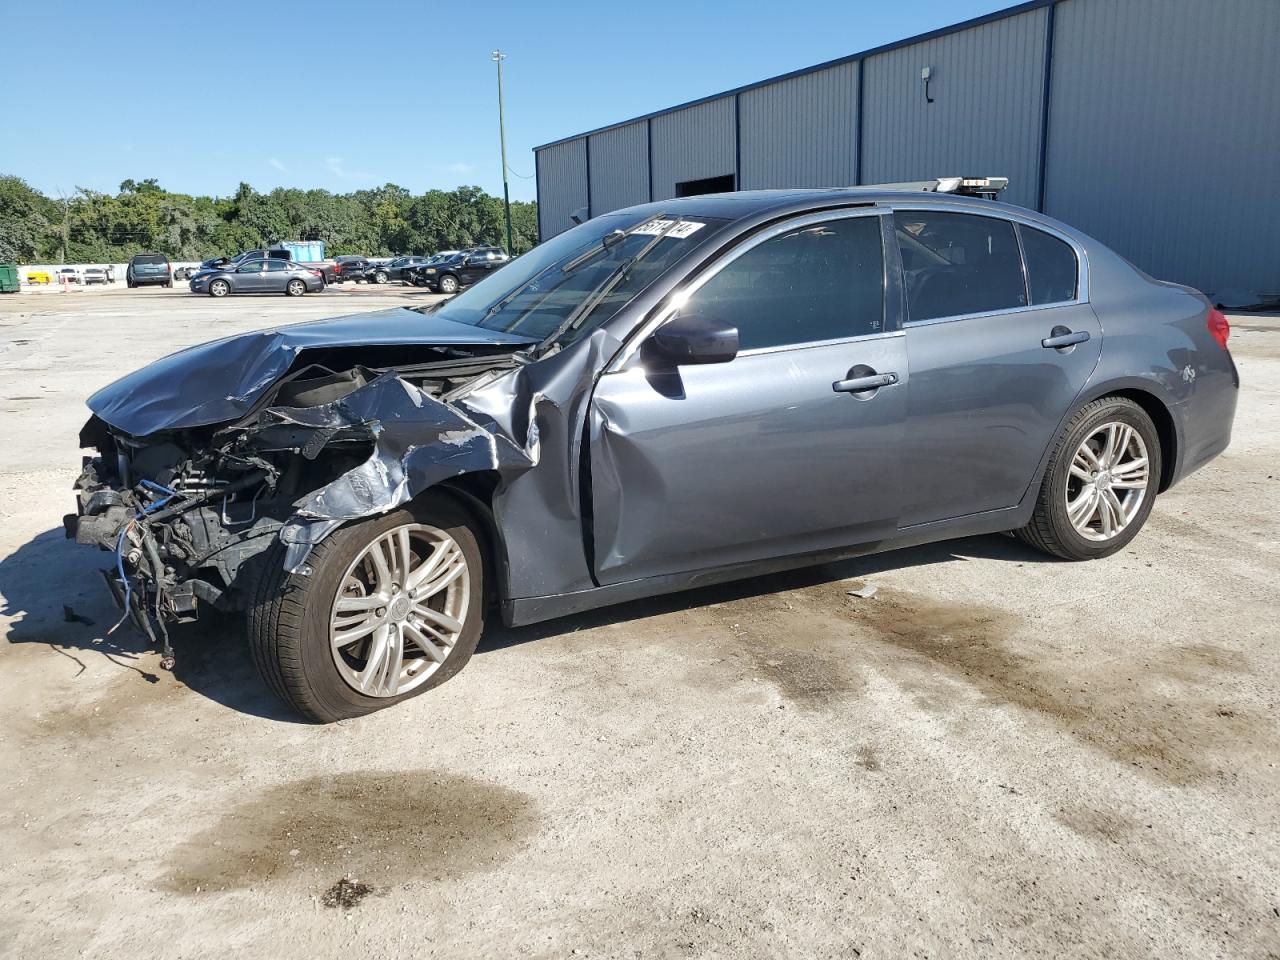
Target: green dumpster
point(8, 278)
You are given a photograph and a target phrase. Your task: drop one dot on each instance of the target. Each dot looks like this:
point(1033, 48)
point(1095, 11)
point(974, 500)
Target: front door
point(251, 277)
point(792, 447)
point(475, 268)
point(1001, 342)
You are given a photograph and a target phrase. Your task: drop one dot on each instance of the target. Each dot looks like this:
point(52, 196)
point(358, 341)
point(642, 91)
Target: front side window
point(1051, 267)
point(958, 263)
point(252, 266)
point(816, 283)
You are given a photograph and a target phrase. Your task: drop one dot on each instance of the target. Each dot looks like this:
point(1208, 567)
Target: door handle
point(1065, 339)
point(858, 384)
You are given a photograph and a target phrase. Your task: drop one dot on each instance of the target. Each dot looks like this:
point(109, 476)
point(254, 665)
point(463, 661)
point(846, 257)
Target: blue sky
point(359, 95)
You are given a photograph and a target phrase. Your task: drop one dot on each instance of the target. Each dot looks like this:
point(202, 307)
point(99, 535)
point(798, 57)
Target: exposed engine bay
point(189, 513)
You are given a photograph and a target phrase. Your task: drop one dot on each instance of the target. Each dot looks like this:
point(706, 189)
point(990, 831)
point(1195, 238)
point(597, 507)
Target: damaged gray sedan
point(663, 397)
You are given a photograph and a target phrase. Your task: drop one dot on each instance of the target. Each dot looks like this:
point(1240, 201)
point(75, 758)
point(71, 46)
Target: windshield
point(578, 280)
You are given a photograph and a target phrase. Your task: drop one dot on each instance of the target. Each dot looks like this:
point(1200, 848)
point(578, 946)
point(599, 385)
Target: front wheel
point(219, 288)
point(379, 277)
point(1100, 484)
point(391, 607)
point(448, 284)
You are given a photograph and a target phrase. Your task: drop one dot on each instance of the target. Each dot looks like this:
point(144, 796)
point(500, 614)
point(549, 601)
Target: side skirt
point(518, 611)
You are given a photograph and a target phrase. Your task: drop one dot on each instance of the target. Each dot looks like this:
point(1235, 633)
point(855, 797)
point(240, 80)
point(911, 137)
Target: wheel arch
point(473, 493)
point(1157, 408)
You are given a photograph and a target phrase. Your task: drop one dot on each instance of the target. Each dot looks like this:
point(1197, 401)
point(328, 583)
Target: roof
point(1013, 11)
point(746, 203)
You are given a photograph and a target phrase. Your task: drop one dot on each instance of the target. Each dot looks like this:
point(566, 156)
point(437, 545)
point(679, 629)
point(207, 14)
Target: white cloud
point(277, 164)
point(339, 170)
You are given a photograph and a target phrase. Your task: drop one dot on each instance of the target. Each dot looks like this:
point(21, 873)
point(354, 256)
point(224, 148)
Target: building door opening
point(694, 188)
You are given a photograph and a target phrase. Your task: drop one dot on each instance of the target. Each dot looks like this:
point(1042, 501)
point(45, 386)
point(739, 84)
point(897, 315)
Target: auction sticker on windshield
point(682, 229)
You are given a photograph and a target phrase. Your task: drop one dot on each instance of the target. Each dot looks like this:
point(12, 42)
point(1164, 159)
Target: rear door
point(1000, 347)
point(276, 275)
point(772, 453)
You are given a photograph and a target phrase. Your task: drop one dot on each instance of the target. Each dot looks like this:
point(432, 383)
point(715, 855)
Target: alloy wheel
point(1108, 481)
point(399, 610)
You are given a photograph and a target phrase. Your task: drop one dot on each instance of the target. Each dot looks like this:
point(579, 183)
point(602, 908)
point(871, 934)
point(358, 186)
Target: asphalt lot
point(996, 756)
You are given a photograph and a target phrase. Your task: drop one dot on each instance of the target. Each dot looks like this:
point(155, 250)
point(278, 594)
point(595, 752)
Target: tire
point(129, 283)
point(380, 277)
point(1051, 528)
point(289, 615)
point(219, 288)
point(448, 283)
point(295, 288)
point(169, 284)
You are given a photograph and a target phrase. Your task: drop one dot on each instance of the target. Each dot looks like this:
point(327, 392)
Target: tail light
point(1218, 327)
point(318, 273)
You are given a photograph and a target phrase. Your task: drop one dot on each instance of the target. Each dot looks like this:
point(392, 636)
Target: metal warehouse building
point(1153, 125)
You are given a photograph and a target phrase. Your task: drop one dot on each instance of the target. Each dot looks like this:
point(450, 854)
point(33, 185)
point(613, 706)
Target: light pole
point(497, 57)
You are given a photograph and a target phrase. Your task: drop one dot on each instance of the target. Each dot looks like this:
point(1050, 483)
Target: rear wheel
point(296, 288)
point(448, 283)
point(219, 288)
point(1100, 484)
point(392, 606)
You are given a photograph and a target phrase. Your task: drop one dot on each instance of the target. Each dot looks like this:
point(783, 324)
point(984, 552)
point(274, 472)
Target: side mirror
point(691, 339)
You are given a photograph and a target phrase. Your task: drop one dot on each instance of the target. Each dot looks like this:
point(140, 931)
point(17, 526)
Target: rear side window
point(1051, 267)
point(959, 263)
point(822, 282)
point(152, 258)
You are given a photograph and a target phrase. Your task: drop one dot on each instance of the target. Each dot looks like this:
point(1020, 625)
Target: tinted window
point(957, 263)
point(251, 266)
point(277, 266)
point(1051, 266)
point(823, 282)
point(150, 258)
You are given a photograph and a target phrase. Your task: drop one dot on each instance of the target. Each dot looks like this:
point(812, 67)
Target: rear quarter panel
point(1156, 340)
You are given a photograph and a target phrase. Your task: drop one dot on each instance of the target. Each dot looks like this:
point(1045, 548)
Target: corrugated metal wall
point(1162, 140)
point(691, 144)
point(562, 185)
point(800, 132)
point(985, 118)
point(1164, 135)
point(619, 167)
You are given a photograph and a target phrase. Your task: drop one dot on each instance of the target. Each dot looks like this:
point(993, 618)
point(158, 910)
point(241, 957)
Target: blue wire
point(128, 584)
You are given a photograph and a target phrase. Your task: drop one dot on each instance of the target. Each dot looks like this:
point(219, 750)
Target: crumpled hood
point(219, 381)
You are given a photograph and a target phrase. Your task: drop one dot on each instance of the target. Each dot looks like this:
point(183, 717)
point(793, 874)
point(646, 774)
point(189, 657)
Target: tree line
point(93, 227)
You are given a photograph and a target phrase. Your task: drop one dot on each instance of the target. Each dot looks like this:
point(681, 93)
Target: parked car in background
point(39, 277)
point(95, 275)
point(148, 269)
point(69, 274)
point(414, 275)
point(186, 271)
point(326, 268)
point(350, 268)
point(468, 267)
point(264, 275)
point(397, 269)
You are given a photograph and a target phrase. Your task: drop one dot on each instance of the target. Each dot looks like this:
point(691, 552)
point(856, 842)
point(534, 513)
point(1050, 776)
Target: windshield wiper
point(583, 310)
